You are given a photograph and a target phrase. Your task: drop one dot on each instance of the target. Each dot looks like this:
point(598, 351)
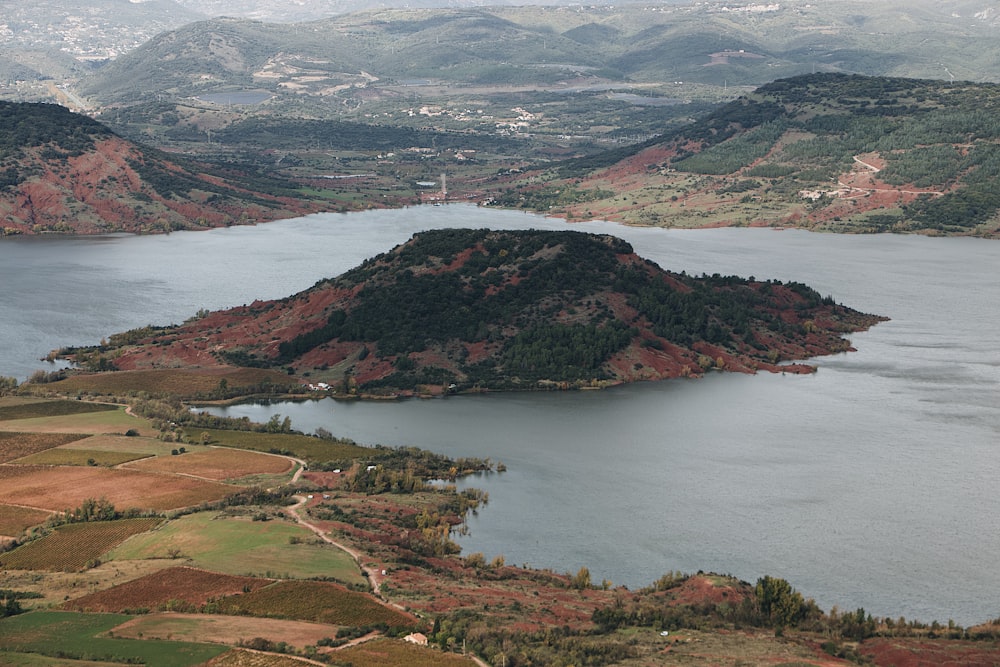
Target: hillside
point(475, 309)
point(62, 172)
point(833, 152)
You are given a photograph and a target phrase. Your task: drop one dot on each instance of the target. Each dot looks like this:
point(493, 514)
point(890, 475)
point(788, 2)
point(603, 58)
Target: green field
point(69, 634)
point(112, 419)
point(243, 547)
point(301, 446)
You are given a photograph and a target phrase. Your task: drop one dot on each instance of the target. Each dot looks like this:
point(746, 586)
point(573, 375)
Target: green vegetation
point(240, 546)
point(82, 636)
point(300, 446)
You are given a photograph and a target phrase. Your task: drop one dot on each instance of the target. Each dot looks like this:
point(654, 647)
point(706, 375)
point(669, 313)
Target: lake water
point(870, 483)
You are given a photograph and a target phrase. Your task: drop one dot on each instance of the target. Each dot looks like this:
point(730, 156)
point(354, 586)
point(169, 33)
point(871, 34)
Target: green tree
point(779, 604)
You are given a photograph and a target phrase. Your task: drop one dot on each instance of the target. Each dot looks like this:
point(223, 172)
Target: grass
point(301, 446)
point(314, 601)
point(16, 445)
point(72, 547)
point(114, 420)
point(69, 634)
point(240, 546)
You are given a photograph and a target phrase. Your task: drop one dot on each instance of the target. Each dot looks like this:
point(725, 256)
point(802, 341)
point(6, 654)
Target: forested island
point(475, 310)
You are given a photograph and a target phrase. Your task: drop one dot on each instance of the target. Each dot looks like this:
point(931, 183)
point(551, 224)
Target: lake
point(868, 484)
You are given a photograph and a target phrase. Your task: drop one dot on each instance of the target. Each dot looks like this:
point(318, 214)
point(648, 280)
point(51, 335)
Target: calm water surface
point(870, 483)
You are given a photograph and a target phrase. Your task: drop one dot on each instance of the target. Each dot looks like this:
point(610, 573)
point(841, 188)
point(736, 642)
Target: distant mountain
point(477, 309)
point(67, 173)
point(662, 43)
point(826, 151)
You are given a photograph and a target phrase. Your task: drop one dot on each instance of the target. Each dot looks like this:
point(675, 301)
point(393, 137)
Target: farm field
point(114, 420)
point(67, 633)
point(14, 408)
point(243, 658)
point(216, 629)
point(60, 488)
point(17, 445)
point(71, 547)
point(118, 443)
point(243, 547)
point(301, 446)
point(389, 652)
point(169, 381)
point(164, 588)
point(217, 464)
point(316, 601)
point(15, 520)
point(61, 456)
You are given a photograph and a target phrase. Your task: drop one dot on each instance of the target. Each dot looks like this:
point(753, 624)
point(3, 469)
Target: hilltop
point(833, 152)
point(67, 173)
point(475, 309)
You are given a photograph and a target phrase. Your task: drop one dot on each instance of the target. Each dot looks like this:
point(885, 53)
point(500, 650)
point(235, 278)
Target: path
point(370, 572)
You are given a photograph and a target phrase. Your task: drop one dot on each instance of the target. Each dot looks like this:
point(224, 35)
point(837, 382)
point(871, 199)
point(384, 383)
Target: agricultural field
point(242, 658)
point(15, 520)
point(35, 660)
point(17, 445)
point(113, 420)
point(216, 629)
point(164, 588)
point(59, 488)
point(73, 546)
point(190, 384)
point(78, 457)
point(391, 652)
point(10, 410)
point(119, 443)
point(315, 601)
point(304, 447)
point(238, 545)
point(218, 464)
point(61, 633)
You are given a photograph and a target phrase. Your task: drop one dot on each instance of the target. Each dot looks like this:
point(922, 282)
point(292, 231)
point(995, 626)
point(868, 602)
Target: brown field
point(63, 488)
point(391, 652)
point(57, 587)
point(15, 520)
point(72, 547)
point(168, 381)
point(17, 445)
point(28, 410)
point(243, 658)
point(215, 629)
point(156, 590)
point(316, 601)
point(217, 464)
point(61, 456)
